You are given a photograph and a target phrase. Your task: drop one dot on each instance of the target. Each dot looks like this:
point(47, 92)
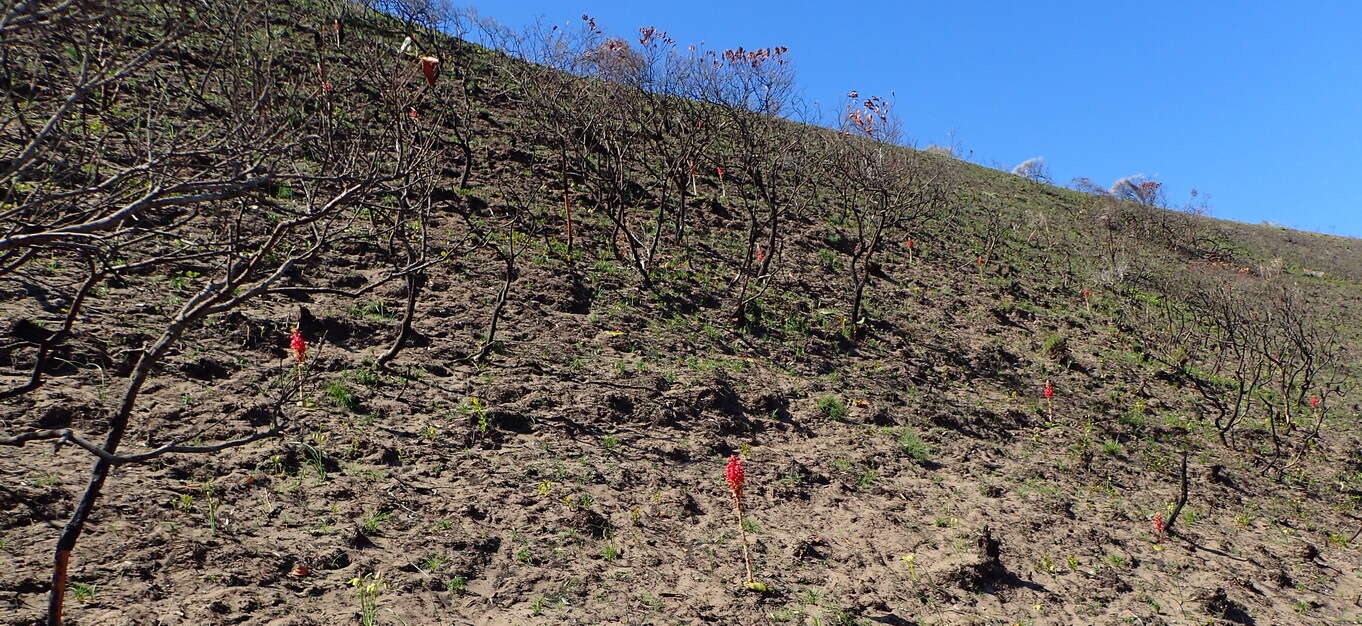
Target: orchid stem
point(742, 533)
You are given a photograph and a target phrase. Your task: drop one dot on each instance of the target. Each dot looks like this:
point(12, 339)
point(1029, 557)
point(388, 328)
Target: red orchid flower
point(298, 345)
point(1049, 390)
point(1159, 526)
point(735, 475)
point(1314, 402)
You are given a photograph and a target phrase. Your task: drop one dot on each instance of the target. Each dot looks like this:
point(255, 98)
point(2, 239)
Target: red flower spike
point(735, 474)
point(1159, 526)
point(1314, 402)
point(298, 345)
point(761, 255)
point(720, 170)
point(1049, 390)
point(1086, 293)
point(909, 243)
point(413, 114)
point(430, 66)
point(979, 260)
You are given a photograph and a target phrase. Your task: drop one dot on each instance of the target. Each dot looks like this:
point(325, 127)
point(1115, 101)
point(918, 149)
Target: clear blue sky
point(1258, 104)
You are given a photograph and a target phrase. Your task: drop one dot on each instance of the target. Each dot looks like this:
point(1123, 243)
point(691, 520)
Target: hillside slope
point(903, 464)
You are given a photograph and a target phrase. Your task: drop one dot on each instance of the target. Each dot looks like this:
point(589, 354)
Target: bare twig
point(1182, 496)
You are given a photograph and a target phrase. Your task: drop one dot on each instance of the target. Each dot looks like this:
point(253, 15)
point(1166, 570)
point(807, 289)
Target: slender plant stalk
point(567, 198)
point(1182, 497)
point(742, 533)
